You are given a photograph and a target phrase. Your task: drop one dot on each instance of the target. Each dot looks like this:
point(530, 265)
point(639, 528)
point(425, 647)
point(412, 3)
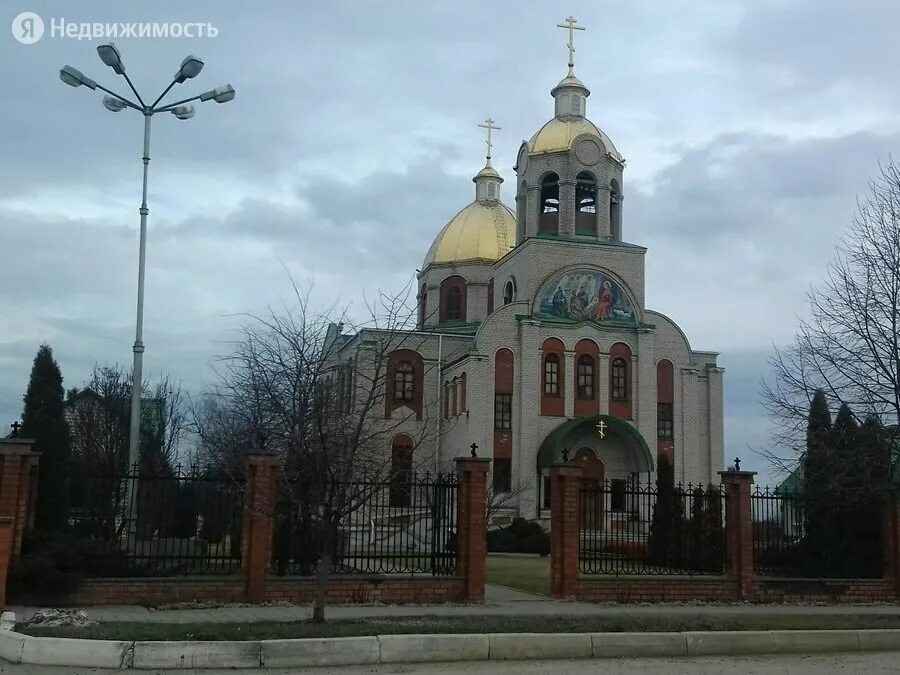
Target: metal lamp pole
point(190, 68)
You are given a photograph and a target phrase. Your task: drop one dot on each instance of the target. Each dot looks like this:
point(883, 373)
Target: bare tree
point(315, 396)
point(849, 346)
point(98, 421)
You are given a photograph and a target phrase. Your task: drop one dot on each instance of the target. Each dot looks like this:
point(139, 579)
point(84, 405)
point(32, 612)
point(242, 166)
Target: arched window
point(404, 377)
point(585, 384)
point(454, 410)
point(587, 357)
point(400, 486)
point(503, 405)
point(509, 292)
point(549, 216)
point(615, 210)
point(552, 378)
point(585, 204)
point(490, 298)
point(453, 299)
point(404, 382)
point(665, 409)
point(423, 297)
point(521, 210)
point(454, 304)
point(619, 380)
point(551, 375)
point(461, 397)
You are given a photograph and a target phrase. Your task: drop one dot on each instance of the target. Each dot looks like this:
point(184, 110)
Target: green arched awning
point(551, 449)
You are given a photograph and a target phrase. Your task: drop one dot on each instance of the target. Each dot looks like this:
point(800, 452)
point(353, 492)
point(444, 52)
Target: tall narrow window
point(490, 298)
point(585, 204)
point(454, 304)
point(502, 412)
point(615, 210)
point(400, 486)
point(551, 375)
point(665, 422)
point(453, 390)
point(404, 382)
point(619, 380)
point(509, 292)
point(548, 220)
point(423, 298)
point(585, 377)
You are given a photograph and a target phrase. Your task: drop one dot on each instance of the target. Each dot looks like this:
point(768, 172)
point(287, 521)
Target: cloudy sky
point(750, 128)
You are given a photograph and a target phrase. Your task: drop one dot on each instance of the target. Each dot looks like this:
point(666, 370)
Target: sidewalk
point(499, 601)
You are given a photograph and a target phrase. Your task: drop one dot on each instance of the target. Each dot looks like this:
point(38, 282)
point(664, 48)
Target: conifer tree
point(815, 481)
point(43, 419)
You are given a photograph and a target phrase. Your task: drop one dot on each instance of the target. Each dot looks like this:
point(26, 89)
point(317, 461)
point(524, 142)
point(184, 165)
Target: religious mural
point(585, 295)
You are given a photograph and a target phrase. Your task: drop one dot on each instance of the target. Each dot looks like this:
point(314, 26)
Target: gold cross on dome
point(601, 429)
point(571, 27)
point(489, 125)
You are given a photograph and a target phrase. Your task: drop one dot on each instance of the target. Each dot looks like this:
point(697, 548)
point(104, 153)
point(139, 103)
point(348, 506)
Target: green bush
point(520, 536)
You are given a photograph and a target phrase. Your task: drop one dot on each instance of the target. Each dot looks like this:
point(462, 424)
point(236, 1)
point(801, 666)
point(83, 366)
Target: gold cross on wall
point(601, 429)
point(489, 125)
point(571, 27)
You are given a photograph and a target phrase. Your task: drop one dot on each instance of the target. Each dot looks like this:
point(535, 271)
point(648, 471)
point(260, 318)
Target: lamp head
point(190, 68)
point(221, 94)
point(113, 104)
point(74, 78)
point(183, 112)
point(109, 54)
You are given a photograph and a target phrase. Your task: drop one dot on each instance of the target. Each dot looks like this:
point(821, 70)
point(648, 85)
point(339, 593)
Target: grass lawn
point(467, 624)
point(529, 574)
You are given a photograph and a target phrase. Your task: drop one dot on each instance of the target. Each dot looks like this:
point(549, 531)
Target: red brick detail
point(258, 524)
point(665, 393)
point(553, 404)
point(634, 589)
point(504, 366)
point(18, 479)
point(587, 407)
point(892, 541)
point(739, 531)
point(349, 589)
point(471, 525)
point(458, 283)
point(415, 359)
point(620, 408)
point(565, 486)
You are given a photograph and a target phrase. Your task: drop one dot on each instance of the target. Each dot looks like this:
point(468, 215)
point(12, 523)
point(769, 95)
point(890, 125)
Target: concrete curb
point(19, 648)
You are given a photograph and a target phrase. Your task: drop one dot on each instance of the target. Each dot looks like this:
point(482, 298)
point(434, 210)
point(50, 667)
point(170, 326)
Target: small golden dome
point(557, 136)
point(484, 231)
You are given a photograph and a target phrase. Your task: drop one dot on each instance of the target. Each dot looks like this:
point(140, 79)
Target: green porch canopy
point(551, 449)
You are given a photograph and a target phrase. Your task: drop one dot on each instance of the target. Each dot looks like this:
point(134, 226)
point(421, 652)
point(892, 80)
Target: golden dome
point(484, 231)
point(557, 136)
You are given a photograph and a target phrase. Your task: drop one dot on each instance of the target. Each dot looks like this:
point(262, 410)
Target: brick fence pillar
point(739, 531)
point(18, 487)
point(892, 541)
point(258, 524)
point(471, 525)
point(565, 489)
point(6, 537)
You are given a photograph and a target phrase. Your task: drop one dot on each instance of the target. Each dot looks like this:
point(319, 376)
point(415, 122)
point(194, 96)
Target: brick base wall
point(349, 590)
point(632, 589)
point(850, 591)
point(300, 590)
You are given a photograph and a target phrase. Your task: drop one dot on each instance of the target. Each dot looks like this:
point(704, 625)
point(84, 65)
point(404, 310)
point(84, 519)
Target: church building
point(535, 342)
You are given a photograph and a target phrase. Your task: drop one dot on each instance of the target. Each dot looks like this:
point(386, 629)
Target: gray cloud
point(353, 140)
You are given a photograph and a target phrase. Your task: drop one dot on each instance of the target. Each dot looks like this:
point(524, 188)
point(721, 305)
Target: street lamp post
point(190, 68)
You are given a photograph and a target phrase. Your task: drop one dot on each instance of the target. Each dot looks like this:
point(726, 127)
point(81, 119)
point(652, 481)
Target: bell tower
point(569, 175)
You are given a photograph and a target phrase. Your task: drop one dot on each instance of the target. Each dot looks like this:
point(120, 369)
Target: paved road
point(774, 665)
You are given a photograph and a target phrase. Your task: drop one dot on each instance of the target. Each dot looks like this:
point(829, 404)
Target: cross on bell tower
point(489, 125)
point(569, 25)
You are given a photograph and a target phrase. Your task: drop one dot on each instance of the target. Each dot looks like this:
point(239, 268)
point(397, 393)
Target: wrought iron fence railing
point(627, 528)
point(183, 521)
point(400, 526)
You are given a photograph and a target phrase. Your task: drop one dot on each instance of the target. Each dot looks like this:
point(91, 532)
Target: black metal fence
point(795, 536)
point(403, 526)
point(177, 522)
point(627, 528)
